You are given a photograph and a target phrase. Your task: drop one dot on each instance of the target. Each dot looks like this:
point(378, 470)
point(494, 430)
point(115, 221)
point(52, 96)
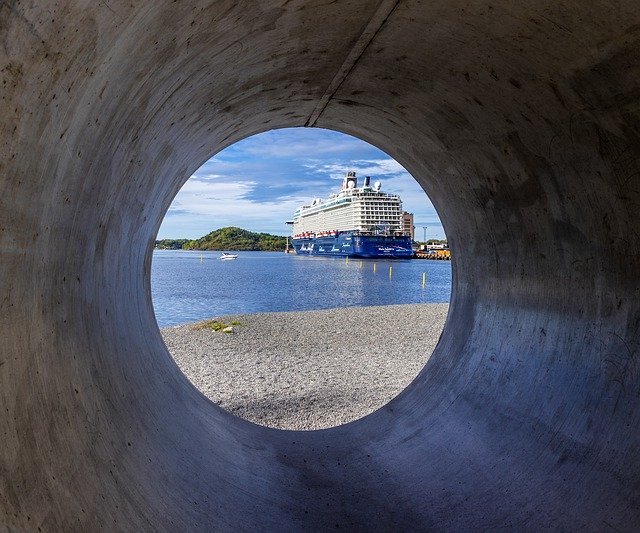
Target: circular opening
point(325, 334)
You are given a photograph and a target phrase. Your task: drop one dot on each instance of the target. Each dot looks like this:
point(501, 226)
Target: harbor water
point(188, 286)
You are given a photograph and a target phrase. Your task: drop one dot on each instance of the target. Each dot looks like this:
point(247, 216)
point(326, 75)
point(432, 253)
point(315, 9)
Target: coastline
point(308, 369)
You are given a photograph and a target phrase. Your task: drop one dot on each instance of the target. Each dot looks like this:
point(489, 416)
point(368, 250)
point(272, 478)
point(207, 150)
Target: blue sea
point(188, 286)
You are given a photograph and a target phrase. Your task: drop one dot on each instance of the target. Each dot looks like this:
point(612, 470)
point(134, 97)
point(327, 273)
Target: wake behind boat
point(226, 257)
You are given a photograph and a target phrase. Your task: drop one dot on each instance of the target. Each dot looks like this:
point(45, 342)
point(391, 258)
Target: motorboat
point(226, 257)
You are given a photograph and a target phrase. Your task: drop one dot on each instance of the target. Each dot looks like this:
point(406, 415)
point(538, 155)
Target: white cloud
point(375, 168)
point(258, 183)
point(204, 205)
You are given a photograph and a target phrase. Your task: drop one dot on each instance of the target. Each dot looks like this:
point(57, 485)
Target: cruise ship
point(355, 222)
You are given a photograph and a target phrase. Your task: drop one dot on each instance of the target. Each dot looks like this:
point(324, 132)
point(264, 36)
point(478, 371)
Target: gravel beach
point(309, 369)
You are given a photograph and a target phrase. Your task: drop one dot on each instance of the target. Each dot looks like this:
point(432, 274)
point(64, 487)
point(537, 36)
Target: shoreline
point(308, 369)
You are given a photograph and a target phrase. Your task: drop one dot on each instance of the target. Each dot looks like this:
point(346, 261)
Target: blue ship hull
point(348, 244)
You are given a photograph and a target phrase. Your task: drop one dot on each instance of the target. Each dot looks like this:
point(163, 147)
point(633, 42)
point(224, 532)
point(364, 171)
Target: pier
point(439, 255)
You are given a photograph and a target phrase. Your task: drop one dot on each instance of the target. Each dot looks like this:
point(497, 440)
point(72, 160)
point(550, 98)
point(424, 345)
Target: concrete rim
point(526, 115)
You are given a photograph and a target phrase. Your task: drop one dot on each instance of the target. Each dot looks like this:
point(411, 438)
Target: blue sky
point(257, 183)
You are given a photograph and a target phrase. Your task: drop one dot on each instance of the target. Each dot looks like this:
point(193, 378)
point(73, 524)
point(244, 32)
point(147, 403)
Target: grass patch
point(214, 325)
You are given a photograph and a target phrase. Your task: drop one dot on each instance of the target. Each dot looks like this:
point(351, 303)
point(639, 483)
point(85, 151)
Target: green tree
point(233, 238)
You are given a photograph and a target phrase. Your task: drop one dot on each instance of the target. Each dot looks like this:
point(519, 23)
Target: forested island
point(230, 238)
point(171, 244)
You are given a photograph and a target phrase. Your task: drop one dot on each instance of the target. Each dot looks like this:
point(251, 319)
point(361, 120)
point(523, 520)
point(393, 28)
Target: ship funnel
point(350, 181)
point(367, 181)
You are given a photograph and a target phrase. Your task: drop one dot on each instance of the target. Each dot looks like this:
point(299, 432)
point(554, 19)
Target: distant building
point(407, 225)
point(434, 246)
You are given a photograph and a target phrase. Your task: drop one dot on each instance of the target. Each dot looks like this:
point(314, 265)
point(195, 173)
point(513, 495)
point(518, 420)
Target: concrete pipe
point(521, 120)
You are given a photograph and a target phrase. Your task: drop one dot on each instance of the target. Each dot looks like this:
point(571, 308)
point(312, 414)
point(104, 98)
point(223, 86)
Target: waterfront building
point(407, 225)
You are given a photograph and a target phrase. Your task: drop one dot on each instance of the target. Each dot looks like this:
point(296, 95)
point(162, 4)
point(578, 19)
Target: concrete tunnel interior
point(522, 123)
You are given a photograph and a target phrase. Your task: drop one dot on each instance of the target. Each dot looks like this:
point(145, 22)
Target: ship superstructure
point(357, 221)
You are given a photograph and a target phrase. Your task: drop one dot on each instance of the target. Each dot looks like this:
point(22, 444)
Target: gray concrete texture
point(521, 120)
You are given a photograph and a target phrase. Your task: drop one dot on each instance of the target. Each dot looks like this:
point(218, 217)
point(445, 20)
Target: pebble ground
point(310, 369)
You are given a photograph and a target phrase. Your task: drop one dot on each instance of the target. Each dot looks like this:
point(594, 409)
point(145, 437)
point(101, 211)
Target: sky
point(257, 183)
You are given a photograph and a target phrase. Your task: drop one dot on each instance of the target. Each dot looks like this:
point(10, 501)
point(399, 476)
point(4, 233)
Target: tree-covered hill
point(233, 238)
point(171, 244)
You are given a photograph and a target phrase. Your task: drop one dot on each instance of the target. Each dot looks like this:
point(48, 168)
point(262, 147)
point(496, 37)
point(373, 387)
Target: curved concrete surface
point(520, 119)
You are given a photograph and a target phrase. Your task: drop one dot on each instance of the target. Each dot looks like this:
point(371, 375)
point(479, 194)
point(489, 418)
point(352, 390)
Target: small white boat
point(225, 256)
